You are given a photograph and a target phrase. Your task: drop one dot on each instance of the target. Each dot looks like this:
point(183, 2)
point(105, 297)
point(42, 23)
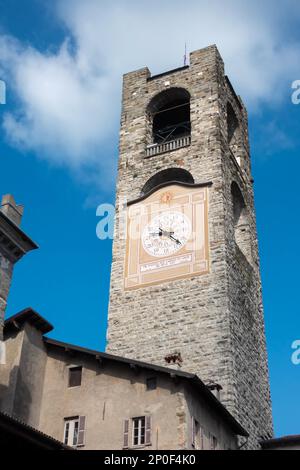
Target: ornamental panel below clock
point(167, 236)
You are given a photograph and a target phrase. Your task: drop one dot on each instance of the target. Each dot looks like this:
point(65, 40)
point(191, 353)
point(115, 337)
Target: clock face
point(166, 234)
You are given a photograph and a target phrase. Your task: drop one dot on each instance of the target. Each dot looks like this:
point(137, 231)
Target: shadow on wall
point(22, 399)
point(15, 398)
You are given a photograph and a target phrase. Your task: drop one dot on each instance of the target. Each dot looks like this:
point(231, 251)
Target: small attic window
point(75, 375)
point(151, 383)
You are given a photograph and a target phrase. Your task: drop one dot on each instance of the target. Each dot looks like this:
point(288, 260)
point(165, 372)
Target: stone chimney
point(14, 244)
point(13, 211)
point(215, 389)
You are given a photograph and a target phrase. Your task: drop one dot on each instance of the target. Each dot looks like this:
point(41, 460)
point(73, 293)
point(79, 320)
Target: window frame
point(72, 430)
point(166, 103)
point(129, 428)
point(139, 420)
point(70, 370)
point(70, 423)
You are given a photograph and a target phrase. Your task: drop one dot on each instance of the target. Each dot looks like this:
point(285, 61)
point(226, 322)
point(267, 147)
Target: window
point(169, 112)
point(242, 231)
point(234, 136)
point(75, 374)
point(151, 383)
point(213, 442)
point(74, 431)
point(197, 435)
point(140, 429)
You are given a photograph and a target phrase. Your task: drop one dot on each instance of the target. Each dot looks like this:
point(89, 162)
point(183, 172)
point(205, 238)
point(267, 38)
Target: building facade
point(185, 279)
point(92, 400)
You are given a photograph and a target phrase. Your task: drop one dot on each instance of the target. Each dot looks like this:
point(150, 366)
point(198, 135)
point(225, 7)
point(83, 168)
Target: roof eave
point(194, 379)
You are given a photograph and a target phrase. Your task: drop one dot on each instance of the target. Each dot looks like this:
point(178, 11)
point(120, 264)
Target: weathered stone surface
point(215, 320)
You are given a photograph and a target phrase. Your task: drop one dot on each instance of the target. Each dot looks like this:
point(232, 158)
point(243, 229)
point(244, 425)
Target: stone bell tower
point(184, 137)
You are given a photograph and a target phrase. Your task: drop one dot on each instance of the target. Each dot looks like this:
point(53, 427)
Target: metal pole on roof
point(185, 56)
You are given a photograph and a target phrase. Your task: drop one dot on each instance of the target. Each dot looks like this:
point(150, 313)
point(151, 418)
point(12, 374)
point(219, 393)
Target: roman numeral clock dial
point(167, 236)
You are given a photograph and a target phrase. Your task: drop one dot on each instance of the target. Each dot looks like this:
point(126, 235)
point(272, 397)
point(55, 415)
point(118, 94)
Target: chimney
point(9, 208)
point(174, 360)
point(215, 389)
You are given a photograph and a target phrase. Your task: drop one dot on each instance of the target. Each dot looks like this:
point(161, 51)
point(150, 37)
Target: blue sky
point(58, 149)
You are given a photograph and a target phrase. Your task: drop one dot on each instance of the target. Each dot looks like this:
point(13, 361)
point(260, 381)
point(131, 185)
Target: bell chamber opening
point(169, 123)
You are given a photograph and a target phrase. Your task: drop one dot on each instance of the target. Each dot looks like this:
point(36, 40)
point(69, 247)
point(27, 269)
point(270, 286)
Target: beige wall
point(106, 397)
point(30, 377)
point(111, 393)
point(8, 371)
point(34, 387)
point(22, 376)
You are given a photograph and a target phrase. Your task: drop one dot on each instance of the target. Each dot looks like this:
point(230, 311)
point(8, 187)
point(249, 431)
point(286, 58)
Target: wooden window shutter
point(81, 431)
point(126, 433)
point(201, 438)
point(148, 430)
point(193, 432)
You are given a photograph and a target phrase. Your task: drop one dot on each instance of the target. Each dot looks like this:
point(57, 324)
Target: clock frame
point(141, 268)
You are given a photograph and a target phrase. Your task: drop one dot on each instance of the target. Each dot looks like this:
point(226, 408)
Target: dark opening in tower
point(233, 133)
point(169, 115)
point(241, 222)
point(170, 175)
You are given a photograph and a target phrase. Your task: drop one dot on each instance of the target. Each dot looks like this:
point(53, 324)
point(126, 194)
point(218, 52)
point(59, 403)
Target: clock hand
point(166, 232)
point(175, 240)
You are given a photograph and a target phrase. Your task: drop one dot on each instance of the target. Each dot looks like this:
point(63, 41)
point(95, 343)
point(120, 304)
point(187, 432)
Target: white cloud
point(69, 100)
point(64, 113)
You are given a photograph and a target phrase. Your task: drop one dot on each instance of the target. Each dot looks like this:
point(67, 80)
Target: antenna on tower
point(2, 92)
point(185, 55)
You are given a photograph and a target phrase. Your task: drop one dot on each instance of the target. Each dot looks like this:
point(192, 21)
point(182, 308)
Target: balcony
point(157, 149)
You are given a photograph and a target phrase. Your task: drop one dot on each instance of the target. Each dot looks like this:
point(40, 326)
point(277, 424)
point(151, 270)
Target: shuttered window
point(197, 435)
point(140, 430)
point(74, 432)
